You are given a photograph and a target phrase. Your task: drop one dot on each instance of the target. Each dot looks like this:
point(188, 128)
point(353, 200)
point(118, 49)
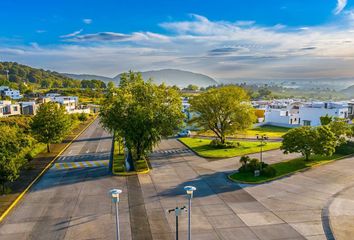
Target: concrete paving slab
point(278, 231)
point(240, 233)
point(260, 218)
point(225, 221)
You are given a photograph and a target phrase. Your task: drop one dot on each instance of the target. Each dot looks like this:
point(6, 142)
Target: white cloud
point(87, 21)
point(73, 34)
point(341, 4)
point(221, 49)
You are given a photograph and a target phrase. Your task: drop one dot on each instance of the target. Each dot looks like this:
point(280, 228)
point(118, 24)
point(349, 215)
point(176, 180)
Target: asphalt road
point(71, 200)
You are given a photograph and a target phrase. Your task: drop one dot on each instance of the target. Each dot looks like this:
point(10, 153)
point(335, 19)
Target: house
point(69, 102)
point(283, 114)
point(11, 93)
point(304, 114)
point(28, 108)
point(310, 113)
point(8, 109)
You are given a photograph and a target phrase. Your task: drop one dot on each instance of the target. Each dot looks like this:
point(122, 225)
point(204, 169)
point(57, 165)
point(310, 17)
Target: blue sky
point(273, 39)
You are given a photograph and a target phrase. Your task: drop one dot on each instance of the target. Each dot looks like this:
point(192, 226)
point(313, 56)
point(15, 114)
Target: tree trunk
point(48, 147)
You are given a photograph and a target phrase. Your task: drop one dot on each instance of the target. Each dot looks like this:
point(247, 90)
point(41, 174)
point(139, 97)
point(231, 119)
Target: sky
point(225, 39)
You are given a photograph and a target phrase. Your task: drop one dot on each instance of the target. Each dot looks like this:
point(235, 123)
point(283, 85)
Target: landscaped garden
point(203, 147)
point(292, 166)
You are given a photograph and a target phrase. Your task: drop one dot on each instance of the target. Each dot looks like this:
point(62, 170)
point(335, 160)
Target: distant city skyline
point(255, 39)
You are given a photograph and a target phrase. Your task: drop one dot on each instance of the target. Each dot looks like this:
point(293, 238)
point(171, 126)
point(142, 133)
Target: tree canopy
point(142, 113)
point(12, 143)
point(50, 124)
point(310, 140)
point(223, 110)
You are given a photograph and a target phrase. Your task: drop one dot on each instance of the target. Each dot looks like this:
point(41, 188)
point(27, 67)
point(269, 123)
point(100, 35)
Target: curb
point(19, 197)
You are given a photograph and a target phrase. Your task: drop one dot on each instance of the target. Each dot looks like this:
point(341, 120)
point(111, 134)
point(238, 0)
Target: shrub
point(269, 171)
point(250, 165)
point(216, 143)
point(83, 117)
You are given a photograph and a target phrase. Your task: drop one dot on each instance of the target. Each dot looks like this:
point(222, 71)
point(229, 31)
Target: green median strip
point(287, 168)
point(203, 149)
point(141, 166)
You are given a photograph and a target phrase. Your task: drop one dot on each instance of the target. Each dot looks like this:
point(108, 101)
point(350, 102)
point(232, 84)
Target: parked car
point(184, 133)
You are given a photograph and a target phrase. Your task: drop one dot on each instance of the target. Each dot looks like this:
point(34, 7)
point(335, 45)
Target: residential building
point(28, 108)
point(11, 93)
point(304, 114)
point(69, 102)
point(8, 109)
point(310, 113)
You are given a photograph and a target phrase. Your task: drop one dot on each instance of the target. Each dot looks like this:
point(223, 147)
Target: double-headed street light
point(115, 199)
point(189, 190)
point(262, 139)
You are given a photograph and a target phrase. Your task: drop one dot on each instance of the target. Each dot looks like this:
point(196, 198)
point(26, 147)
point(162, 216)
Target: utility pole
point(177, 211)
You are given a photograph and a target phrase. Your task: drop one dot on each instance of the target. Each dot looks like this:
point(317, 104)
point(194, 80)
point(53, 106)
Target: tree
point(50, 124)
point(192, 87)
point(12, 142)
point(310, 140)
point(325, 120)
point(223, 110)
point(142, 113)
point(300, 140)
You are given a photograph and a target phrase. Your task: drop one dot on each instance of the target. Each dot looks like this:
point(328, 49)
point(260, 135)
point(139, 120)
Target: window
point(307, 123)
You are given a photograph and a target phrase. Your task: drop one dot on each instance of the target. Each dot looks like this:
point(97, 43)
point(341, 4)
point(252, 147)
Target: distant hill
point(88, 77)
point(176, 77)
point(19, 74)
point(349, 91)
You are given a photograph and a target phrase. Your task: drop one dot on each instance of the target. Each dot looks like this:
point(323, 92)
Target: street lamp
point(262, 139)
point(115, 199)
point(177, 211)
point(189, 190)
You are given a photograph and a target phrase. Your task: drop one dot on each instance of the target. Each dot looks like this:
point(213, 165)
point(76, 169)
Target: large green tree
point(50, 124)
point(223, 110)
point(12, 142)
point(142, 113)
point(310, 140)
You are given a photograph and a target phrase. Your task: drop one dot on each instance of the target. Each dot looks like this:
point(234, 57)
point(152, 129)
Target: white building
point(11, 93)
point(311, 113)
point(305, 114)
point(8, 109)
point(69, 102)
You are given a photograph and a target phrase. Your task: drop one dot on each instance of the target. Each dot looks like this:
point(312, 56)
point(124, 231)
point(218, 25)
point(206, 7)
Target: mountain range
point(170, 77)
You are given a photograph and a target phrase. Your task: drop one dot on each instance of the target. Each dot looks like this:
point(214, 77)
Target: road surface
point(71, 200)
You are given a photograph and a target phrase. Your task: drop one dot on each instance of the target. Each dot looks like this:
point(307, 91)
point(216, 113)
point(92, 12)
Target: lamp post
point(189, 190)
point(262, 139)
point(177, 211)
point(115, 199)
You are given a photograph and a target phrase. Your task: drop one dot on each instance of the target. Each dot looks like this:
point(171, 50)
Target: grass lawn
point(295, 165)
point(270, 131)
point(202, 148)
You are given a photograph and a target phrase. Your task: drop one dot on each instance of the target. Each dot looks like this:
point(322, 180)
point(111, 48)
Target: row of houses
point(293, 113)
point(70, 103)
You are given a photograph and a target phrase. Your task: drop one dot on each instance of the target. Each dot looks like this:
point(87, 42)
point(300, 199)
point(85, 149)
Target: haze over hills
point(87, 77)
point(170, 77)
point(176, 77)
point(349, 91)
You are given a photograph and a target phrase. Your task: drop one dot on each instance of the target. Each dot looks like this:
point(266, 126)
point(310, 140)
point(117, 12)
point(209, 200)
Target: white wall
point(314, 114)
point(276, 116)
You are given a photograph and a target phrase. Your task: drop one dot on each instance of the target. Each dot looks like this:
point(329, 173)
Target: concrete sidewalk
point(221, 209)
